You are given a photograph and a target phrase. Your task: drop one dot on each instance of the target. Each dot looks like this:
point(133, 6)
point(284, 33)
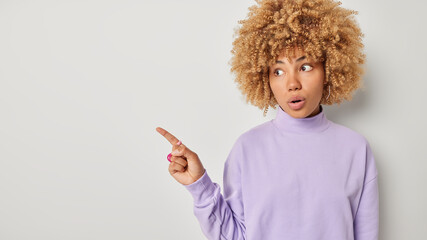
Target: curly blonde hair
point(323, 30)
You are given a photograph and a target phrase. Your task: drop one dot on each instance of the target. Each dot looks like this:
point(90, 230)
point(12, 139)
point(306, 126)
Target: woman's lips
point(297, 105)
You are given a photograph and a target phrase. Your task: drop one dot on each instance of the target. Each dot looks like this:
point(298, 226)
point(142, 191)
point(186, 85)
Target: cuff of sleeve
point(203, 189)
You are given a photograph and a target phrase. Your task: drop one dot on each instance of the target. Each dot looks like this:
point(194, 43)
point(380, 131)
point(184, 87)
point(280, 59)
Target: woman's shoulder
point(257, 132)
point(347, 134)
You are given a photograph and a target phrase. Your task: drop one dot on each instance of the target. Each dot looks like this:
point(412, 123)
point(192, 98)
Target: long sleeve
point(293, 178)
point(366, 223)
point(221, 217)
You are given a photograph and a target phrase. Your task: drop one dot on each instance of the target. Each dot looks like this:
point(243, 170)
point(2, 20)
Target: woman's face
point(297, 77)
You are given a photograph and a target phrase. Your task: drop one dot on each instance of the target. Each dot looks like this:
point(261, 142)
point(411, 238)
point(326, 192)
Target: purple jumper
point(292, 179)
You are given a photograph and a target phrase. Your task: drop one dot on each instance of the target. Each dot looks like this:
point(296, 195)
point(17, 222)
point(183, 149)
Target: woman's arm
point(366, 223)
point(221, 216)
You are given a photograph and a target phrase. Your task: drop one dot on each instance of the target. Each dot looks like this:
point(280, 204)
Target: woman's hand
point(185, 165)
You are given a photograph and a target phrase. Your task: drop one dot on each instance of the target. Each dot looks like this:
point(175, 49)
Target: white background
point(84, 84)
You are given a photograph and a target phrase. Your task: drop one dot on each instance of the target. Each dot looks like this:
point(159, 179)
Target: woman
point(300, 175)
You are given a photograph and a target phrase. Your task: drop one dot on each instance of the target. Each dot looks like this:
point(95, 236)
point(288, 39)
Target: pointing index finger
point(171, 138)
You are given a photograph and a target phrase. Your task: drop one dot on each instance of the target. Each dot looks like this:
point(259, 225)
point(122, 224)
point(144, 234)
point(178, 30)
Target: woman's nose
point(293, 82)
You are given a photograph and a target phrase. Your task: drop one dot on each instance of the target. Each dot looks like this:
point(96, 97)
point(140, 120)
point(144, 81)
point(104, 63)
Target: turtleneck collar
point(287, 123)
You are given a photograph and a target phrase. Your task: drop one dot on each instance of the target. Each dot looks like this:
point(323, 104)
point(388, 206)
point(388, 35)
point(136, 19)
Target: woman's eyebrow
point(299, 59)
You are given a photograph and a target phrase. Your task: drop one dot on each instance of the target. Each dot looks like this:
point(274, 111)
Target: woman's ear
point(325, 82)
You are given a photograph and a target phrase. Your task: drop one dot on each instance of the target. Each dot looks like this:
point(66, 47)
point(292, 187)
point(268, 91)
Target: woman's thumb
point(185, 152)
point(175, 152)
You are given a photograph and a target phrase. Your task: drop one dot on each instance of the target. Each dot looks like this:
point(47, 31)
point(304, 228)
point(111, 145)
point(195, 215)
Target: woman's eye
point(306, 67)
point(278, 72)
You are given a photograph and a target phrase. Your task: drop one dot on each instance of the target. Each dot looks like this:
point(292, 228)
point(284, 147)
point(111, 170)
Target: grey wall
point(84, 84)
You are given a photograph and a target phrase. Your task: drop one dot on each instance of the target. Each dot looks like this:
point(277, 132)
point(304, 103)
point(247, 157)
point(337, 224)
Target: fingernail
point(179, 143)
point(169, 157)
